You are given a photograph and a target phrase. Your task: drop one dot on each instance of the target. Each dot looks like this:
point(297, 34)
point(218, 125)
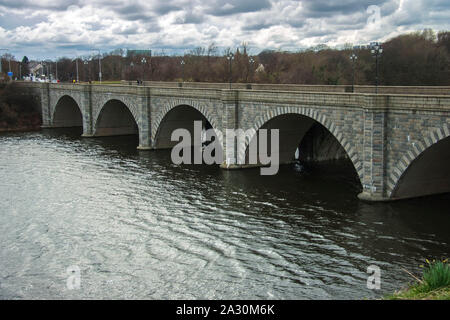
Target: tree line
point(420, 58)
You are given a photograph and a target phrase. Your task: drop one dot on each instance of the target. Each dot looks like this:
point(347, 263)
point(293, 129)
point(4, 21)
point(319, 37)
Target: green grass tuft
point(434, 285)
point(436, 275)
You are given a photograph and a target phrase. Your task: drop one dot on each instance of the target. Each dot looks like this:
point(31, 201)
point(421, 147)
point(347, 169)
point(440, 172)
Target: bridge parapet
point(414, 90)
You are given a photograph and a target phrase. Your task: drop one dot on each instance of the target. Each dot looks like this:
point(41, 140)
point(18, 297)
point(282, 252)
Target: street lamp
point(49, 70)
point(376, 51)
point(182, 69)
point(230, 57)
point(353, 57)
point(99, 65)
point(76, 66)
point(143, 61)
point(131, 71)
point(252, 61)
point(86, 62)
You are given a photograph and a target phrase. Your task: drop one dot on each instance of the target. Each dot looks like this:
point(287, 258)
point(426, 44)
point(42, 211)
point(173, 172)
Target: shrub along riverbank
point(434, 284)
point(19, 109)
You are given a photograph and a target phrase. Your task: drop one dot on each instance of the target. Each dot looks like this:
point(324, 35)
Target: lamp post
point(143, 61)
point(151, 66)
point(99, 65)
point(76, 64)
point(86, 62)
point(49, 70)
point(252, 61)
point(230, 57)
point(182, 69)
point(132, 71)
point(353, 57)
point(56, 72)
point(376, 51)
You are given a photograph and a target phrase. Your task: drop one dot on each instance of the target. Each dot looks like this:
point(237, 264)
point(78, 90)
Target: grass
point(434, 285)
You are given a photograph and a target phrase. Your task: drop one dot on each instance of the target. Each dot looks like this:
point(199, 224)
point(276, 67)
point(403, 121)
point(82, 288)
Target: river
point(136, 226)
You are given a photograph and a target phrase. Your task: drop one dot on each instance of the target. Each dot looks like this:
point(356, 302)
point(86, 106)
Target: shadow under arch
point(297, 130)
point(180, 117)
point(67, 113)
point(115, 119)
point(427, 174)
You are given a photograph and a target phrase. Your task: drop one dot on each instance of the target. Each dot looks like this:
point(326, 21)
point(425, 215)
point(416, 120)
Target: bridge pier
point(145, 148)
point(374, 149)
point(372, 197)
point(227, 166)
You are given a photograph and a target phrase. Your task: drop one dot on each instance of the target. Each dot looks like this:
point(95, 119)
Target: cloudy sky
point(53, 28)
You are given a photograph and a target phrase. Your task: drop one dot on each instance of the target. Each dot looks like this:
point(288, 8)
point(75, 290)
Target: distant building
point(34, 67)
point(260, 68)
point(134, 53)
point(361, 47)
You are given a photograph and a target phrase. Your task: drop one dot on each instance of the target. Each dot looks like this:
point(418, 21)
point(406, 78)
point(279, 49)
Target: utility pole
point(143, 62)
point(377, 50)
point(230, 58)
point(353, 57)
point(182, 70)
point(99, 65)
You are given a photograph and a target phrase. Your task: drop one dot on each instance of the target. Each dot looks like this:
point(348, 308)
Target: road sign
point(10, 74)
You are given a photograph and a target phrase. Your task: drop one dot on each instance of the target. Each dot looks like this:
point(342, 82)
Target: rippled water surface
point(140, 227)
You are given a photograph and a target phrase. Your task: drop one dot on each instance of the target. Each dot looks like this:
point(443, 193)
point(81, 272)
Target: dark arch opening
point(67, 114)
point(428, 174)
point(180, 117)
point(304, 140)
point(320, 145)
point(115, 119)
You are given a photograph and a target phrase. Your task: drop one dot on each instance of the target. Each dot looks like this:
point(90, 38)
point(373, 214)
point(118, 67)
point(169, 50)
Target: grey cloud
point(11, 20)
point(134, 12)
point(164, 8)
point(190, 18)
point(33, 5)
point(323, 8)
point(225, 8)
point(257, 26)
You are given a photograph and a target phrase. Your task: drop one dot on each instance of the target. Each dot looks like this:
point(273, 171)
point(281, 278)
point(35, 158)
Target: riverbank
point(19, 109)
point(413, 294)
point(434, 284)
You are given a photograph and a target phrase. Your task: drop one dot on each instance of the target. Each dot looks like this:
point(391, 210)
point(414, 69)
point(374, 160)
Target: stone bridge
point(398, 144)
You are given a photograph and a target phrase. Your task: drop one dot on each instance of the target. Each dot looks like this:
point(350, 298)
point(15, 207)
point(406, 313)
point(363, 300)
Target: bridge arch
point(180, 114)
point(311, 117)
point(115, 118)
point(424, 169)
point(67, 113)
